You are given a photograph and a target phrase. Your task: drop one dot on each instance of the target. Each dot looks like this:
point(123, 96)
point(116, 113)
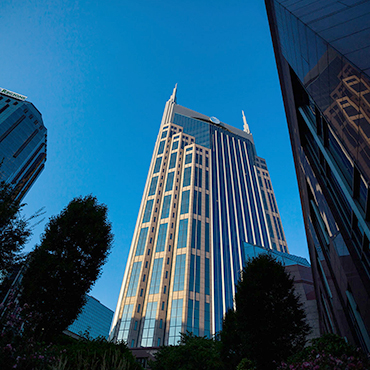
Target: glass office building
point(322, 51)
point(206, 194)
point(22, 142)
point(95, 320)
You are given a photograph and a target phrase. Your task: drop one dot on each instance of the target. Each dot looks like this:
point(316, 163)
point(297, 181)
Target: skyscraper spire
point(184, 148)
point(173, 96)
point(245, 127)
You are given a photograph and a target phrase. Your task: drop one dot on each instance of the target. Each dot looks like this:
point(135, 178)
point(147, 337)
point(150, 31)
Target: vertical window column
point(178, 284)
point(175, 321)
point(166, 206)
point(161, 240)
point(125, 323)
point(132, 285)
point(156, 276)
point(185, 202)
point(148, 210)
point(183, 234)
point(141, 242)
point(149, 324)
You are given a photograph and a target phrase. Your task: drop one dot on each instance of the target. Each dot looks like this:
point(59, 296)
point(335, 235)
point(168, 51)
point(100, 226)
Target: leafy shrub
point(327, 352)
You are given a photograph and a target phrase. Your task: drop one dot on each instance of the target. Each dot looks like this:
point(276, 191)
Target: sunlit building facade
point(22, 142)
point(206, 194)
point(322, 51)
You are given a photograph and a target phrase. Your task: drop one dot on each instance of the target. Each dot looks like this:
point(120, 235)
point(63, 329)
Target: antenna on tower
point(173, 96)
point(245, 126)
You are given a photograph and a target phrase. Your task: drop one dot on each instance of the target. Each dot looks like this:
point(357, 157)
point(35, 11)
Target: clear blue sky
point(100, 74)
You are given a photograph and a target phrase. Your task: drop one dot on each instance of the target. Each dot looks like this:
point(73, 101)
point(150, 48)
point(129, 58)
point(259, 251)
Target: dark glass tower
point(22, 142)
point(322, 51)
point(206, 194)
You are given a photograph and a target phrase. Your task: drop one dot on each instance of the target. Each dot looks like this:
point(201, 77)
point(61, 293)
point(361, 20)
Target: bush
point(95, 354)
point(67, 354)
point(192, 353)
point(327, 352)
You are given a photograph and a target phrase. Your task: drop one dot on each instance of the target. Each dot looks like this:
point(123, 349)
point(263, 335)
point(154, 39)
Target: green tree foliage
point(63, 268)
point(191, 353)
point(14, 229)
point(328, 352)
point(269, 322)
point(94, 354)
point(66, 354)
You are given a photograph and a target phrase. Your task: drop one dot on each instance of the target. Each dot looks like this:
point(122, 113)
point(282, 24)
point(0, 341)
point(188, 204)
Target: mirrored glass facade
point(206, 203)
point(323, 56)
point(22, 143)
point(95, 318)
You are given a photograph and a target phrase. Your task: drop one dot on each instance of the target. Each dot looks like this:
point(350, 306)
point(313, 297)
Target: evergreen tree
point(269, 322)
point(14, 229)
point(63, 268)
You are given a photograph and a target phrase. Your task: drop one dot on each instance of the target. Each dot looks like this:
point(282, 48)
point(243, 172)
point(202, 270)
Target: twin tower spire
point(245, 124)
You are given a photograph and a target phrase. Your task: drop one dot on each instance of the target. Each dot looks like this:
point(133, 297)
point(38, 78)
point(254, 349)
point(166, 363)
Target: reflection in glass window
point(161, 240)
point(156, 276)
point(183, 234)
point(157, 165)
point(153, 186)
point(193, 233)
point(141, 242)
point(178, 283)
point(277, 229)
point(166, 206)
point(197, 203)
point(188, 158)
point(264, 199)
point(175, 145)
point(198, 177)
point(185, 202)
point(199, 233)
point(125, 322)
point(207, 180)
point(161, 147)
point(175, 321)
point(149, 324)
point(268, 184)
point(164, 134)
point(280, 228)
point(169, 183)
point(172, 161)
point(194, 276)
point(206, 236)
point(187, 176)
point(132, 285)
point(260, 181)
point(206, 276)
point(192, 322)
point(272, 203)
point(340, 157)
point(207, 320)
point(269, 225)
point(148, 210)
point(207, 205)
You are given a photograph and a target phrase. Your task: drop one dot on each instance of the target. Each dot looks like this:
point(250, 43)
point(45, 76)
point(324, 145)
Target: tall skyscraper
point(322, 51)
point(22, 142)
point(206, 194)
